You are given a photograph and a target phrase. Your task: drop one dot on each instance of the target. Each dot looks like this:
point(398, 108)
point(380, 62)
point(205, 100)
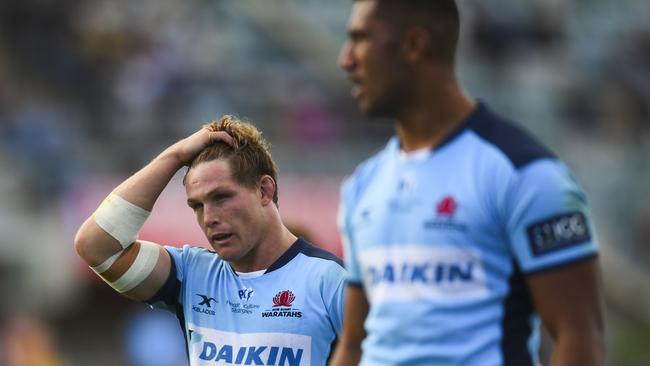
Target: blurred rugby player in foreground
point(464, 232)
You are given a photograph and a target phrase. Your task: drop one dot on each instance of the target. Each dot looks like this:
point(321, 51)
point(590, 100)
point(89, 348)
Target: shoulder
point(190, 256)
point(365, 171)
point(516, 144)
point(319, 263)
point(192, 250)
point(320, 255)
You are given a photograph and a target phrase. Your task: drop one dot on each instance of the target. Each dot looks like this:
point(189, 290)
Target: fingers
point(221, 136)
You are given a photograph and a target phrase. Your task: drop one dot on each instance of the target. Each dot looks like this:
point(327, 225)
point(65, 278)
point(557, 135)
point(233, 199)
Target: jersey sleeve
point(345, 228)
point(548, 222)
point(169, 296)
point(335, 280)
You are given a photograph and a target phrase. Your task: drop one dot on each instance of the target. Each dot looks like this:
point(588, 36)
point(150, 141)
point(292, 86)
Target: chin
point(375, 112)
point(225, 254)
point(377, 109)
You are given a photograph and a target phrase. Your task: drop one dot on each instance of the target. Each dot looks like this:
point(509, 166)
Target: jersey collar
point(477, 114)
point(288, 255)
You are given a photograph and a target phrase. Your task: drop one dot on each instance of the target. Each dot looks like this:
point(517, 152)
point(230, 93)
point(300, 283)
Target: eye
point(195, 205)
point(221, 197)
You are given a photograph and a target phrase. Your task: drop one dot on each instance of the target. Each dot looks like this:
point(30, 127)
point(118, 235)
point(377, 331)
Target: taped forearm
point(120, 219)
point(123, 221)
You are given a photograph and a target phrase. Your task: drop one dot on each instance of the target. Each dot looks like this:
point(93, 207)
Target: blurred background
point(92, 90)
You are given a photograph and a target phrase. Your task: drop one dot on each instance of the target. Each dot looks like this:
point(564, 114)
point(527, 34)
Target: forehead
point(364, 14)
point(208, 176)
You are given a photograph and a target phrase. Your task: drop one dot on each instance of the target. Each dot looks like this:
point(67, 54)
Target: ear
point(267, 189)
point(416, 43)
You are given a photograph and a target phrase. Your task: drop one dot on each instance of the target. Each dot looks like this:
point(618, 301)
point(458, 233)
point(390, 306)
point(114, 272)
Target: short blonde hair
point(249, 156)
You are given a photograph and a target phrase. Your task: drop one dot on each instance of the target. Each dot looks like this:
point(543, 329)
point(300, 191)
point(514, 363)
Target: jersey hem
point(560, 264)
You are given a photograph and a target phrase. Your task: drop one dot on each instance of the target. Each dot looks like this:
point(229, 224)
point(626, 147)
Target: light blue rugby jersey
point(441, 244)
point(289, 316)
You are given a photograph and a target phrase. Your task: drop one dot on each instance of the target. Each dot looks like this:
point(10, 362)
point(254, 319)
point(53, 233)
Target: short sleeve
point(548, 222)
point(168, 297)
point(345, 228)
point(336, 285)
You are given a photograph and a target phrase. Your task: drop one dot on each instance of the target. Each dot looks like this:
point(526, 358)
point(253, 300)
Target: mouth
point(356, 87)
point(220, 238)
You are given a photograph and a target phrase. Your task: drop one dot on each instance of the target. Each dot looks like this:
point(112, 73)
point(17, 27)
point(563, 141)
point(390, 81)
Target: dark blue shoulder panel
point(302, 246)
point(518, 145)
point(312, 251)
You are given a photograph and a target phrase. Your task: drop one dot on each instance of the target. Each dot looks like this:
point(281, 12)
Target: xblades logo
point(206, 300)
point(205, 305)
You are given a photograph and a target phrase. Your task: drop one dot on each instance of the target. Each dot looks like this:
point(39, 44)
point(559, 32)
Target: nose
point(211, 216)
point(346, 59)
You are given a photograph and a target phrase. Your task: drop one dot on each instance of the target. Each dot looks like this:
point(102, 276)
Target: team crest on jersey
point(444, 216)
point(447, 207)
point(282, 306)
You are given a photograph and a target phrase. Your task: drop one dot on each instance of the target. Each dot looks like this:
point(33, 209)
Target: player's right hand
point(188, 148)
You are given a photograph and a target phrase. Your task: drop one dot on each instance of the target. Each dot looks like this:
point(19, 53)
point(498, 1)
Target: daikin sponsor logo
point(212, 347)
point(411, 272)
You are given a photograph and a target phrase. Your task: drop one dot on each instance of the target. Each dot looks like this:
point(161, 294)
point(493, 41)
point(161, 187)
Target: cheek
point(239, 211)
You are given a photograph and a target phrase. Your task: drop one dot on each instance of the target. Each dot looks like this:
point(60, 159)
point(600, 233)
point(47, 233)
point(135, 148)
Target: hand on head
point(188, 148)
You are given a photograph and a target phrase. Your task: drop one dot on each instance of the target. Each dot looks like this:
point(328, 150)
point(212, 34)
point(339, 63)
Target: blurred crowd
point(96, 88)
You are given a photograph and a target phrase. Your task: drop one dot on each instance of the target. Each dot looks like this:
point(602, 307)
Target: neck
point(277, 239)
point(434, 113)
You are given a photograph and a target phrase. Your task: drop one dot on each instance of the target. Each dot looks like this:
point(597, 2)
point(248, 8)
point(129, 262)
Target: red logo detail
point(447, 206)
point(283, 298)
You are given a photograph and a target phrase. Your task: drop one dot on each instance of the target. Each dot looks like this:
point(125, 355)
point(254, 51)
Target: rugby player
point(464, 232)
point(263, 296)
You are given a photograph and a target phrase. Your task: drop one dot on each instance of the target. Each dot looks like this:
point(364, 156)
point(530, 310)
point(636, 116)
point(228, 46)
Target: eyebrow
point(217, 192)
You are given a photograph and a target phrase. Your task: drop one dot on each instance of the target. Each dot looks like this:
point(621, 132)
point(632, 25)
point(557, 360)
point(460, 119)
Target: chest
point(425, 203)
point(225, 302)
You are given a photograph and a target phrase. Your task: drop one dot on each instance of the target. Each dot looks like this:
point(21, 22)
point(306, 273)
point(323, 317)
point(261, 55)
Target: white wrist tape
point(120, 219)
point(101, 268)
point(141, 268)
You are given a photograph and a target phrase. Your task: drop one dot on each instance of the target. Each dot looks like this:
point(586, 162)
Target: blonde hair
point(249, 155)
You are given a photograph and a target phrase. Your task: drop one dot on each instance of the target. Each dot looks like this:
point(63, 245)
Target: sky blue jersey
point(289, 316)
point(441, 244)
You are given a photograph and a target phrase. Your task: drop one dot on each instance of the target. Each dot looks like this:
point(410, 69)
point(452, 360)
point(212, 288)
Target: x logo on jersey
point(206, 300)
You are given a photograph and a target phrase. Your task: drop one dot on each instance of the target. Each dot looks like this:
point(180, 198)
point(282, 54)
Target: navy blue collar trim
point(287, 256)
point(302, 246)
point(477, 114)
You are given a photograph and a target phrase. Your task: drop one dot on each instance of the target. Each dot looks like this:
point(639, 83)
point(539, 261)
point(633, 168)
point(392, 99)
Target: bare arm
point(348, 350)
point(569, 302)
point(95, 245)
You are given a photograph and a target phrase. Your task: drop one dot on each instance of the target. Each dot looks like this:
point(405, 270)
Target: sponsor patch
point(212, 347)
point(204, 306)
point(414, 272)
point(558, 232)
